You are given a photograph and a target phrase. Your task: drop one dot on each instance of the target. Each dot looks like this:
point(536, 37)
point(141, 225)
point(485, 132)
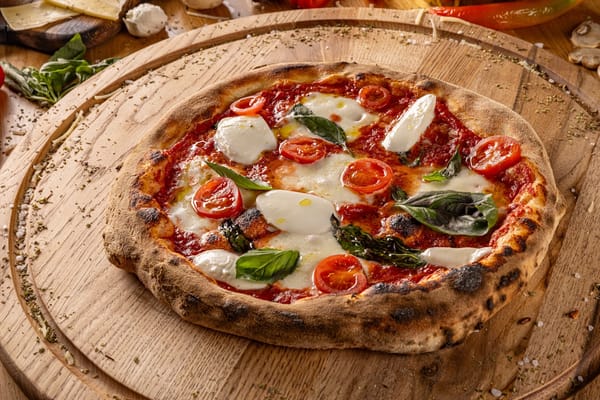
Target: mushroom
point(589, 58)
point(587, 34)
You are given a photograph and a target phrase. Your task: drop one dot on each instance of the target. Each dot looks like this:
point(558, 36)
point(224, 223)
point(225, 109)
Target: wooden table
point(20, 118)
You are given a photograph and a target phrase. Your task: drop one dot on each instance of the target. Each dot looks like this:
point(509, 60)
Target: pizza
point(335, 206)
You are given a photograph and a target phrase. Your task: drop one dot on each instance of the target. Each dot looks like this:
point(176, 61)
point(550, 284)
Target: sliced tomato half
point(218, 198)
point(374, 96)
point(494, 154)
point(340, 274)
point(250, 105)
point(367, 175)
point(303, 149)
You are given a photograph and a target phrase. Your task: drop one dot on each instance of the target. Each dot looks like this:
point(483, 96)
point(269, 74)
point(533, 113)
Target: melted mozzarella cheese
point(452, 257)
point(345, 112)
point(243, 138)
point(322, 178)
point(312, 248)
point(220, 265)
point(295, 212)
point(411, 125)
point(465, 181)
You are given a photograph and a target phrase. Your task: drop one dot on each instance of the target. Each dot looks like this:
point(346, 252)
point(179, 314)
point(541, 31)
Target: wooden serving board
point(51, 37)
point(74, 326)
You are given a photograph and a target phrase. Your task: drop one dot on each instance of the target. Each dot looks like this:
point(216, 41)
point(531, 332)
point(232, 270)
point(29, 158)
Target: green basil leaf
point(74, 49)
point(453, 213)
point(240, 180)
point(320, 126)
point(266, 264)
point(388, 250)
point(398, 194)
point(450, 170)
point(235, 236)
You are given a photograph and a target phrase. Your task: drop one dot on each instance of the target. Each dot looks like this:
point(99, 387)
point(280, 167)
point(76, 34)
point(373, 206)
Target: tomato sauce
point(434, 149)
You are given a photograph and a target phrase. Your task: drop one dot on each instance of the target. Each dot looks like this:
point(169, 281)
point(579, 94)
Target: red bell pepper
point(510, 15)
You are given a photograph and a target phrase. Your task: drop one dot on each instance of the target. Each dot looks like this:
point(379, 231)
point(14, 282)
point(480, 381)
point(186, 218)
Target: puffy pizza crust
point(410, 318)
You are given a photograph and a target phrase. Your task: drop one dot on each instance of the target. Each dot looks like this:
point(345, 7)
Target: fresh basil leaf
point(240, 180)
point(388, 250)
point(451, 169)
point(235, 236)
point(403, 157)
point(398, 194)
point(266, 264)
point(62, 72)
point(453, 213)
point(320, 126)
point(74, 49)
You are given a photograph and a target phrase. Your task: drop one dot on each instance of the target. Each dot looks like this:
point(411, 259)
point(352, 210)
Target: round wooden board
point(74, 326)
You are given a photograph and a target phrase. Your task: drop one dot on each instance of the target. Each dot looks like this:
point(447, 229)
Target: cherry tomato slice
point(340, 274)
point(250, 105)
point(367, 175)
point(218, 198)
point(495, 154)
point(374, 96)
point(303, 149)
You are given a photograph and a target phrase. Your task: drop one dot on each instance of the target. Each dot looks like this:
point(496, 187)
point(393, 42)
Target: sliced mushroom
point(587, 34)
point(589, 58)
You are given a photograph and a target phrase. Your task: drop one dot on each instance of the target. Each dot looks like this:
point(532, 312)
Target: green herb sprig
point(266, 264)
point(240, 180)
point(65, 69)
point(452, 212)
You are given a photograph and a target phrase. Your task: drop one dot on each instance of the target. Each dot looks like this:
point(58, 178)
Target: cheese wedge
point(34, 15)
point(105, 9)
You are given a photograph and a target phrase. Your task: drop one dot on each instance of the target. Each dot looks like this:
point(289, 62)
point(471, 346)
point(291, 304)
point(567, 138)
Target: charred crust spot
point(449, 335)
point(426, 84)
point(233, 311)
point(530, 224)
point(174, 261)
point(502, 298)
point(403, 224)
point(149, 215)
point(139, 200)
point(193, 304)
point(507, 251)
point(467, 279)
point(478, 326)
point(489, 304)
point(157, 156)
point(506, 280)
point(521, 244)
point(404, 315)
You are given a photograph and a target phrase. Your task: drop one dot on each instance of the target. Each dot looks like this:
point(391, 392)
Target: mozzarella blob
point(453, 257)
point(411, 125)
point(220, 265)
point(465, 181)
point(345, 112)
point(322, 178)
point(243, 138)
point(295, 212)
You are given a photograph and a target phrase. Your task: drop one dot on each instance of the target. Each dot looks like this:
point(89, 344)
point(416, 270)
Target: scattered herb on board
point(65, 69)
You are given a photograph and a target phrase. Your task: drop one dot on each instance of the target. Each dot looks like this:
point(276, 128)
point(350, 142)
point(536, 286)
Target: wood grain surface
point(77, 327)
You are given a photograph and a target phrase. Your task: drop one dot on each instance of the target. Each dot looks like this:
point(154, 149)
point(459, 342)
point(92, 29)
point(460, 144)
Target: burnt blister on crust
point(508, 279)
point(149, 215)
point(234, 310)
point(404, 315)
point(467, 279)
point(157, 157)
